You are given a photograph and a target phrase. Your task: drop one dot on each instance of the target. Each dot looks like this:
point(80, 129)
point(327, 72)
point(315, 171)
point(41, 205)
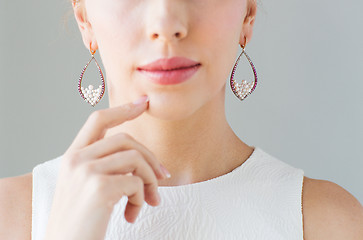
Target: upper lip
point(164, 64)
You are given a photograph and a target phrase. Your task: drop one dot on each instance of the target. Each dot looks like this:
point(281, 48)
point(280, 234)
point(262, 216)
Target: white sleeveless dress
point(261, 199)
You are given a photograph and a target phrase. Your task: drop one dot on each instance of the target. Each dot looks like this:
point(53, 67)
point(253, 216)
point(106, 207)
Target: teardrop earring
point(242, 90)
point(89, 94)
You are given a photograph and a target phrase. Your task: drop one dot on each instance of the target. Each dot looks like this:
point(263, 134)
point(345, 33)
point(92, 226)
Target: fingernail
point(165, 171)
point(141, 100)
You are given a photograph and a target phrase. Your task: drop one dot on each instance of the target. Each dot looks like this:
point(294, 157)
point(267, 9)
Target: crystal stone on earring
point(243, 88)
point(92, 95)
point(89, 94)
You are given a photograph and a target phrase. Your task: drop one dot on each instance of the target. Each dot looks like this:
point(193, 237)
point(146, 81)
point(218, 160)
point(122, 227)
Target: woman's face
point(132, 33)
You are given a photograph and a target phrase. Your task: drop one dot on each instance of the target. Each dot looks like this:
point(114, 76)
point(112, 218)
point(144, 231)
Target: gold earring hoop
point(243, 46)
point(242, 90)
point(90, 49)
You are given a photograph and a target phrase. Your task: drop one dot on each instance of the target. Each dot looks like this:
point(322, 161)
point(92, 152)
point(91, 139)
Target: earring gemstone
point(242, 90)
point(92, 95)
point(89, 94)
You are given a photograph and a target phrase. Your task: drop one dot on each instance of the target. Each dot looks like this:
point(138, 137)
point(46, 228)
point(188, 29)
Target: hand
point(96, 172)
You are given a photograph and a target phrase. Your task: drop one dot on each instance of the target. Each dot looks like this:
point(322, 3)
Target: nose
point(166, 21)
point(167, 36)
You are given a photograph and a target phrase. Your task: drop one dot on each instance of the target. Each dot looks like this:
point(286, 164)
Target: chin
point(171, 108)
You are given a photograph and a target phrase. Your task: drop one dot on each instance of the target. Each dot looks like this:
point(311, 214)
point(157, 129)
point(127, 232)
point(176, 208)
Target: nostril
point(155, 35)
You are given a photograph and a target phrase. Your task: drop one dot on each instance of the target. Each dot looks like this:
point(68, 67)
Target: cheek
point(117, 32)
point(221, 29)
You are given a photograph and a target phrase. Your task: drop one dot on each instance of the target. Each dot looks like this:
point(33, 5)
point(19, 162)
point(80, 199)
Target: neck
point(194, 149)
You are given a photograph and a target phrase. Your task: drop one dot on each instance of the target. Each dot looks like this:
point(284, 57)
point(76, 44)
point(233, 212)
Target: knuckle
point(98, 186)
point(89, 168)
point(72, 159)
point(98, 183)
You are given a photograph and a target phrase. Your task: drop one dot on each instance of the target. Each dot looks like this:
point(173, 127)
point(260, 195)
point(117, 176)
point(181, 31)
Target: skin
point(183, 126)
point(179, 117)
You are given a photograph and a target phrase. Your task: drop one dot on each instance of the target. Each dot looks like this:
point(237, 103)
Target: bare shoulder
point(330, 212)
point(16, 207)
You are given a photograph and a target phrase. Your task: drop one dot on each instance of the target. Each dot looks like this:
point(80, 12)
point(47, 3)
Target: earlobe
point(93, 44)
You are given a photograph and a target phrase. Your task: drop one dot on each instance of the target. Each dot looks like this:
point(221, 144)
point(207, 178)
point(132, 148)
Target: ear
point(84, 26)
point(249, 20)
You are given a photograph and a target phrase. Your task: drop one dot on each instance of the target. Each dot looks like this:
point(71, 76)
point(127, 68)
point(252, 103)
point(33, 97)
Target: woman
point(212, 185)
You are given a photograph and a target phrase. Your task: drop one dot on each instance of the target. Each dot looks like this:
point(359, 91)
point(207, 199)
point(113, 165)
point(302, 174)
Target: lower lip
point(171, 76)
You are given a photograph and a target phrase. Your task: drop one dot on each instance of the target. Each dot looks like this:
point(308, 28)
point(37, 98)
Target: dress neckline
point(215, 179)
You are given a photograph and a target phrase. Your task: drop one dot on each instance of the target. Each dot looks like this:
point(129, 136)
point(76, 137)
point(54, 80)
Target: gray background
point(306, 110)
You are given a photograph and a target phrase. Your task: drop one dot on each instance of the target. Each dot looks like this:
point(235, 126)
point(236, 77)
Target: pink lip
point(170, 70)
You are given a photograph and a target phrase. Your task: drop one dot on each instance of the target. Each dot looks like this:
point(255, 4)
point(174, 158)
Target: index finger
point(99, 121)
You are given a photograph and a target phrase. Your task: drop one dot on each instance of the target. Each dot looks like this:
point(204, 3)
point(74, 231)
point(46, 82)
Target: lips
point(167, 71)
point(169, 64)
